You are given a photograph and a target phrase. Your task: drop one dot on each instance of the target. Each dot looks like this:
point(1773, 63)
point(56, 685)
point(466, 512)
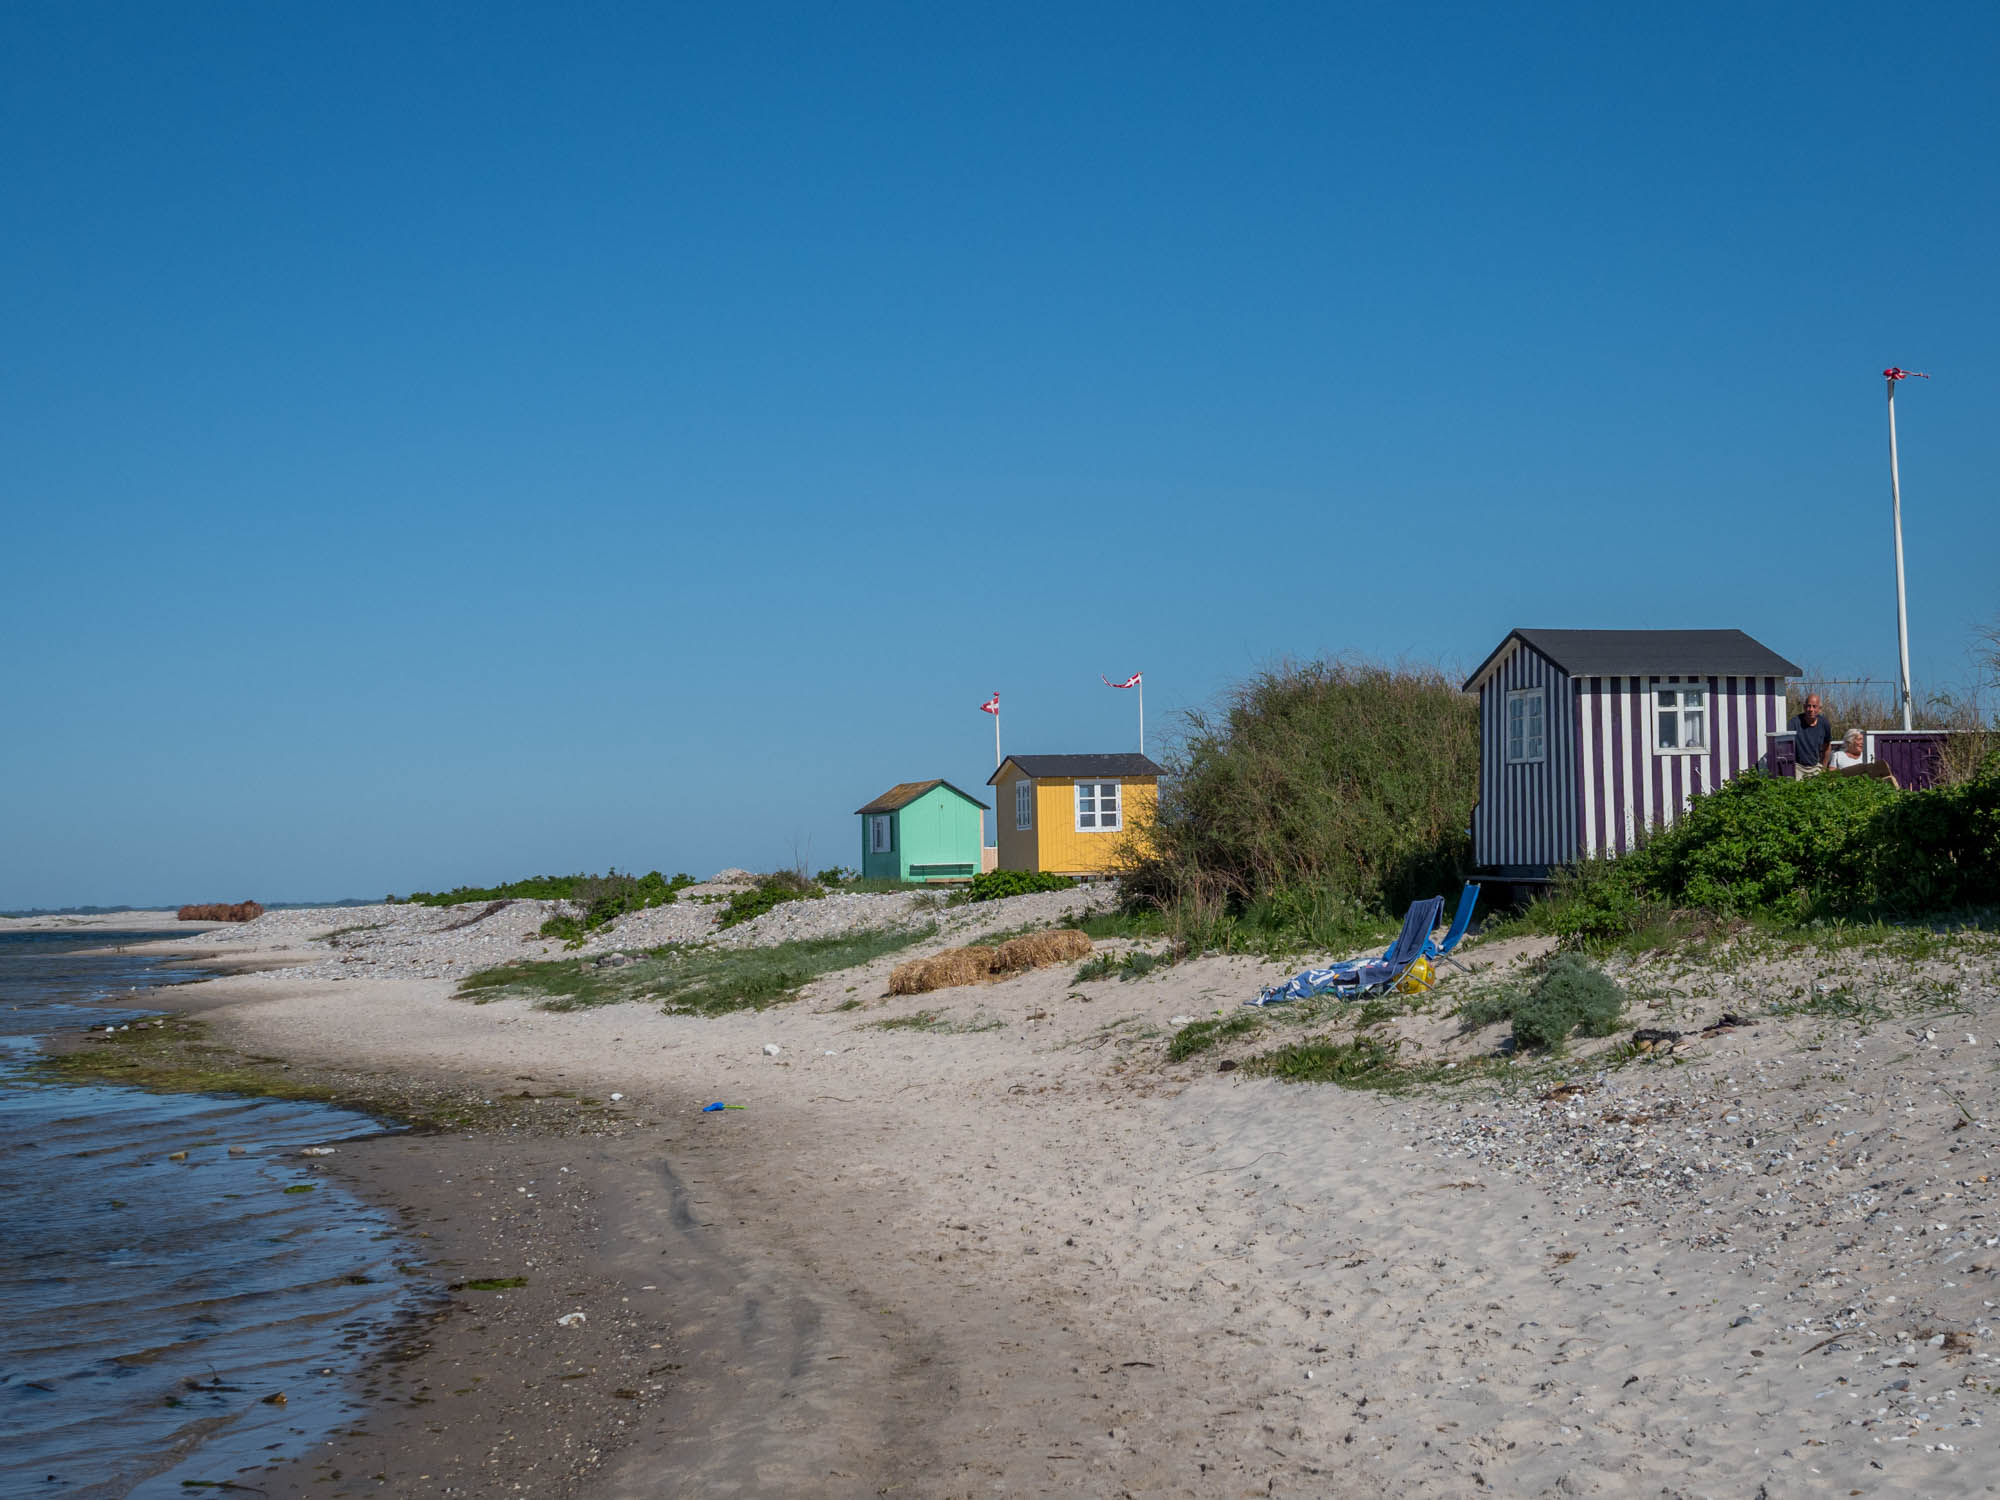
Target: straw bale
point(1058, 945)
point(941, 971)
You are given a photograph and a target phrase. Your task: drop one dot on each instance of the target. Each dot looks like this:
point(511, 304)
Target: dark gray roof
point(1641, 653)
point(903, 793)
point(1038, 766)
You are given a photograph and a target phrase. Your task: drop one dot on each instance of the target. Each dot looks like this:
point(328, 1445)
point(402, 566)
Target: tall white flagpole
point(996, 739)
point(1142, 716)
point(1892, 375)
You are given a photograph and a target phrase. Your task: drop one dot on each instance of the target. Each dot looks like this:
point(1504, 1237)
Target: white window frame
point(1660, 712)
point(1540, 697)
point(881, 834)
point(1097, 799)
point(1024, 805)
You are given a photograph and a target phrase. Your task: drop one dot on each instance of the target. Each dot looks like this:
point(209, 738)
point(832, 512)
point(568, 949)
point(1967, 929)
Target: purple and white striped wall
point(1628, 784)
point(1527, 812)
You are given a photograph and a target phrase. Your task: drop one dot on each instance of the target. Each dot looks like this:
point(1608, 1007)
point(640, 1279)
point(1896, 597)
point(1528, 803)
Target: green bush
point(1569, 996)
point(1573, 995)
point(606, 898)
point(769, 891)
point(1939, 849)
point(1199, 1036)
point(1822, 846)
point(1764, 844)
point(996, 885)
point(1320, 792)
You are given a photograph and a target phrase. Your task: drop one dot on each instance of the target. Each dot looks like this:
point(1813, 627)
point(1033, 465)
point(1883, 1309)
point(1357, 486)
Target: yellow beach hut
point(1068, 814)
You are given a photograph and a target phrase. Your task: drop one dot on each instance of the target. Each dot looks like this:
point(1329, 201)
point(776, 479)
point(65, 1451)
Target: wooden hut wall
point(1527, 813)
point(1627, 786)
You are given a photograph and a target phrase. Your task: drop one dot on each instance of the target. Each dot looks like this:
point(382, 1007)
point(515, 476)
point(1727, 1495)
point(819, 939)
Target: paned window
point(1680, 718)
point(1097, 808)
point(881, 837)
point(1024, 806)
point(1527, 726)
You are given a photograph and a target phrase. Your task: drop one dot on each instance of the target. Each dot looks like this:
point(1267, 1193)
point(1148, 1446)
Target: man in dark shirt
point(1812, 736)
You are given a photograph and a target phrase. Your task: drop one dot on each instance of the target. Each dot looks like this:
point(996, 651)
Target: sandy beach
point(1015, 1249)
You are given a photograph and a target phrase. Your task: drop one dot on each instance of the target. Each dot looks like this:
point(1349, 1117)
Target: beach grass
point(691, 979)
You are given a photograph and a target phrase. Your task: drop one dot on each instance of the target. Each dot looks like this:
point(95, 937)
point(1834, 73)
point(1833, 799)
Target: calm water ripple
point(150, 1309)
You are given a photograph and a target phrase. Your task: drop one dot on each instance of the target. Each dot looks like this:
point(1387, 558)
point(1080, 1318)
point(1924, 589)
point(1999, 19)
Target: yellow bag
point(1417, 978)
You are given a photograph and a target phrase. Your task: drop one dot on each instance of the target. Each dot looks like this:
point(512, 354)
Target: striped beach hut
point(1587, 738)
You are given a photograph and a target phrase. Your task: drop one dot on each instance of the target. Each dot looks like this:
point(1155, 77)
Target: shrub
point(1764, 844)
point(1367, 1062)
point(606, 898)
point(1934, 850)
point(770, 891)
point(1573, 995)
point(654, 888)
point(997, 885)
point(1318, 792)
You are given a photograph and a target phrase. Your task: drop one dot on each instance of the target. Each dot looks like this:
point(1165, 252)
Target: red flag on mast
point(1895, 374)
point(991, 705)
point(1132, 681)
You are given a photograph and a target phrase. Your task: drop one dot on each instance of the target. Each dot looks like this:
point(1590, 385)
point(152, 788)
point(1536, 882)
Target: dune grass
point(691, 979)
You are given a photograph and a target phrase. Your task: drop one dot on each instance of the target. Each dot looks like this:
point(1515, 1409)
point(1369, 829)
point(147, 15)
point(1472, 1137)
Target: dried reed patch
point(221, 911)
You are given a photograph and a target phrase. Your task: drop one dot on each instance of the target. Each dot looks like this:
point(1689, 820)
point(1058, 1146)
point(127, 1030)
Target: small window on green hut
point(879, 836)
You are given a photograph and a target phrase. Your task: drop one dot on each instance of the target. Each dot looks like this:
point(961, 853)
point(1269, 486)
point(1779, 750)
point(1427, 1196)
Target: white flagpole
point(996, 741)
point(1896, 512)
point(1142, 715)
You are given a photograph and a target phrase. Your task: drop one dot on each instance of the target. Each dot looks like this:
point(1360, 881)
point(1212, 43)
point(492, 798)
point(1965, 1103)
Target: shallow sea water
point(150, 1307)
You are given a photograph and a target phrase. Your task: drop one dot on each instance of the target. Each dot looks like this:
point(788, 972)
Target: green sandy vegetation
point(1840, 855)
point(691, 979)
point(1309, 809)
point(175, 1055)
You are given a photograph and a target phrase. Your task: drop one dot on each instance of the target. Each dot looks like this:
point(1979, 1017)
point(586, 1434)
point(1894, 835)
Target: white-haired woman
point(1850, 752)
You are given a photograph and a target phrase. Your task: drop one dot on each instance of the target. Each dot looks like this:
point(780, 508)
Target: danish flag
point(1132, 681)
point(991, 705)
point(1895, 374)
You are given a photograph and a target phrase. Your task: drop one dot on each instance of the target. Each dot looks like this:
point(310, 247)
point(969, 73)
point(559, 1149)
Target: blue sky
point(448, 443)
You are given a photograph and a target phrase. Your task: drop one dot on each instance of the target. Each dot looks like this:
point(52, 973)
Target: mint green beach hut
point(922, 830)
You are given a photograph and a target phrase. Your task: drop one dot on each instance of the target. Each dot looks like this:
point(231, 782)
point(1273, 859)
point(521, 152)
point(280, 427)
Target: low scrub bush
point(606, 898)
point(1367, 1062)
point(1571, 997)
point(769, 892)
point(652, 889)
point(997, 885)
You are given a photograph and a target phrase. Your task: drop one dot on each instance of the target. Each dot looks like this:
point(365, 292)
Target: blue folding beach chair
point(1467, 900)
point(1364, 976)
